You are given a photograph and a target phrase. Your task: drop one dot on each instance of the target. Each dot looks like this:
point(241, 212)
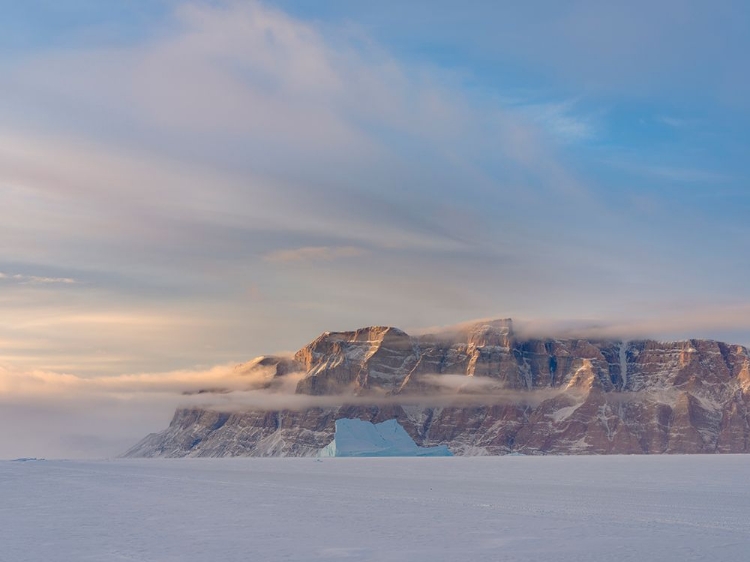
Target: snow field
point(609, 508)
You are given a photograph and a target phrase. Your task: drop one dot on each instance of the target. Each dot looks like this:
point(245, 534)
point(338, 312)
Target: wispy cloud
point(670, 323)
point(246, 376)
point(562, 120)
point(315, 253)
point(35, 279)
point(671, 173)
point(185, 168)
point(675, 122)
point(686, 175)
point(189, 173)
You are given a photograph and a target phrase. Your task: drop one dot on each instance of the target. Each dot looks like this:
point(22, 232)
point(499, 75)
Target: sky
point(192, 184)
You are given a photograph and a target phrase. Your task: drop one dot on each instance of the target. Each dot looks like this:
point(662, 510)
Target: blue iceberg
point(357, 438)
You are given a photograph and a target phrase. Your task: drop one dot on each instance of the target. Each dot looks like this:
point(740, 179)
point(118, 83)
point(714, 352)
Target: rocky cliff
point(483, 390)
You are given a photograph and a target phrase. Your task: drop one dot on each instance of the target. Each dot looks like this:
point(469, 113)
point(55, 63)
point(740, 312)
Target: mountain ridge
point(483, 390)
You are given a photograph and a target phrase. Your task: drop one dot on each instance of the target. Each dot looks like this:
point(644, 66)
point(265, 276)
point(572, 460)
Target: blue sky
point(184, 184)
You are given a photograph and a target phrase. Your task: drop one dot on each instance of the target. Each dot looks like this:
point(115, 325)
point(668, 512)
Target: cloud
point(248, 385)
point(679, 50)
point(315, 253)
point(175, 171)
point(697, 321)
point(35, 279)
point(561, 120)
point(305, 109)
point(687, 175)
point(675, 122)
point(50, 384)
point(171, 172)
point(462, 383)
point(669, 323)
point(67, 415)
point(445, 396)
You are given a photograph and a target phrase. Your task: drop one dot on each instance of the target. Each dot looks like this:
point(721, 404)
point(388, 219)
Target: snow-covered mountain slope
point(483, 390)
point(357, 438)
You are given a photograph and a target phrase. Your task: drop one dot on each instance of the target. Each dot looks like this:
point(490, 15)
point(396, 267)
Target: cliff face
point(506, 394)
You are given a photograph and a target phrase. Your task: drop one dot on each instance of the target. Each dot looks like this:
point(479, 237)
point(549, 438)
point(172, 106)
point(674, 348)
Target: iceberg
point(358, 438)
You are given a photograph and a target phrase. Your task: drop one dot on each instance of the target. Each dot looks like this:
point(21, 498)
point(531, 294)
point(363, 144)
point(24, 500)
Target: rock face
point(483, 391)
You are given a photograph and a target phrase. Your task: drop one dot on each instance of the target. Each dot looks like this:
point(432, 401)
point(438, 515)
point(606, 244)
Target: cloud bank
point(64, 415)
point(249, 177)
point(67, 415)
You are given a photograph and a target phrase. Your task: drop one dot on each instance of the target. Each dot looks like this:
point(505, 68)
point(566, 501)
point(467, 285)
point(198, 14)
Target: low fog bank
point(66, 416)
point(47, 414)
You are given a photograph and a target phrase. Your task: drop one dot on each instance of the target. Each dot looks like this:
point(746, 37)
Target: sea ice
point(666, 508)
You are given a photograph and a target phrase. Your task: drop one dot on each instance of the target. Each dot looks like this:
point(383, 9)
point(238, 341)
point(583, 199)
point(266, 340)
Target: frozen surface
point(358, 438)
point(639, 508)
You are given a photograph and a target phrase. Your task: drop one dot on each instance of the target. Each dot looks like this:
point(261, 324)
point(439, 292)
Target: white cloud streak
point(36, 279)
point(315, 253)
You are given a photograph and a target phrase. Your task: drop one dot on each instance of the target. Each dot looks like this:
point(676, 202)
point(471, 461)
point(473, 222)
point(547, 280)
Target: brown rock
point(537, 396)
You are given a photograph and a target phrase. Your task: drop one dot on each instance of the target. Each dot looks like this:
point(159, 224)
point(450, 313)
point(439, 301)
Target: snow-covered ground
point(640, 508)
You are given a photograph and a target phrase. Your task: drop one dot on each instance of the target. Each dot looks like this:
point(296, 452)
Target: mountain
point(484, 390)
